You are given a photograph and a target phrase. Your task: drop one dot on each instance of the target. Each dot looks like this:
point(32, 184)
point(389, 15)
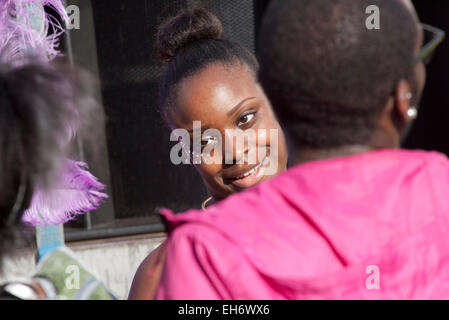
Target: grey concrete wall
point(114, 261)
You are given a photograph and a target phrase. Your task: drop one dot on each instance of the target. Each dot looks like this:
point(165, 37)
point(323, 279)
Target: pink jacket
point(371, 226)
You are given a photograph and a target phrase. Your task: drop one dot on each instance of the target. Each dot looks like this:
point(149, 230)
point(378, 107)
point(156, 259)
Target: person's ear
point(403, 102)
point(406, 111)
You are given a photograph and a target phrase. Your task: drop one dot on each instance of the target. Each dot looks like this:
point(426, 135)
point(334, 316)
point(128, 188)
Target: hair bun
point(184, 29)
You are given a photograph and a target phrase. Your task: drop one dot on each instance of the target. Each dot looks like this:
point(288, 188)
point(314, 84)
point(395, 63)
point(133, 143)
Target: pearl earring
point(412, 112)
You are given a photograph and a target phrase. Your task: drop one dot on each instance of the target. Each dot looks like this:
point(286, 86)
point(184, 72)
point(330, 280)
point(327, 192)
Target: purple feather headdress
point(78, 191)
point(26, 29)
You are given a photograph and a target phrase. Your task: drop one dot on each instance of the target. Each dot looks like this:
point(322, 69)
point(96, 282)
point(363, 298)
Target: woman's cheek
point(210, 171)
point(275, 140)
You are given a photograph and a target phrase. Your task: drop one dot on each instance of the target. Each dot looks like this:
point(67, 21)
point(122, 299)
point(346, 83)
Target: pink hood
point(371, 226)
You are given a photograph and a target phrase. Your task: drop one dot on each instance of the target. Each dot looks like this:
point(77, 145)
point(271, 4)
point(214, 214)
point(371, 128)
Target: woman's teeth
point(252, 171)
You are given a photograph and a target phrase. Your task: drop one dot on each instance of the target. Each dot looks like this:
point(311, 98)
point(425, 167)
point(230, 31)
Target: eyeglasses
point(432, 39)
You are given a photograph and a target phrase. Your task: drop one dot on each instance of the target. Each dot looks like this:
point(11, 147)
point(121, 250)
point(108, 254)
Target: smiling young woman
point(227, 98)
point(214, 81)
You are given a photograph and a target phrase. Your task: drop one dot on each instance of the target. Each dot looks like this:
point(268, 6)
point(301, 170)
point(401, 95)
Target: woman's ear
point(403, 103)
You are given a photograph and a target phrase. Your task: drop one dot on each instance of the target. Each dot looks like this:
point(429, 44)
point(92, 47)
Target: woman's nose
point(235, 147)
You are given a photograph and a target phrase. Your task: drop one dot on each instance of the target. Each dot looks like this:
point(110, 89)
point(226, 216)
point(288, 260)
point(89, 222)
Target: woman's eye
point(208, 140)
point(246, 119)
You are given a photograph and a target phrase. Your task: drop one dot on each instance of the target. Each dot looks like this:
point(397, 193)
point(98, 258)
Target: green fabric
point(71, 280)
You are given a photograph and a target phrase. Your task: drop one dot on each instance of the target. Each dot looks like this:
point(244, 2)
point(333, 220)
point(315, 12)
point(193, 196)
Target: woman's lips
point(252, 176)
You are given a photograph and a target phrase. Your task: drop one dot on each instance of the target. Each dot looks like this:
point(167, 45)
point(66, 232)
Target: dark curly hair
point(41, 106)
point(326, 74)
point(189, 42)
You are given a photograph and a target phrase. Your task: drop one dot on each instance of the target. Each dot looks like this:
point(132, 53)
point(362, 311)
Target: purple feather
point(25, 26)
point(78, 191)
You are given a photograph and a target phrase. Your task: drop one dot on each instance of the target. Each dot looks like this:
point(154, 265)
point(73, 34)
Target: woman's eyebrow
point(204, 128)
point(230, 113)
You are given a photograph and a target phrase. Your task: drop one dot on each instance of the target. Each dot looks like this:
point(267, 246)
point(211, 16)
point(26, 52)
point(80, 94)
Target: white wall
point(114, 261)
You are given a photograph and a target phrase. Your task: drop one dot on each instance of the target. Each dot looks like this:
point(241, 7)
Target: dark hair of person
point(41, 106)
point(189, 42)
point(327, 75)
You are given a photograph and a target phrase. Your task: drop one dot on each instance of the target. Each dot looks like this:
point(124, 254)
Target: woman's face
point(229, 100)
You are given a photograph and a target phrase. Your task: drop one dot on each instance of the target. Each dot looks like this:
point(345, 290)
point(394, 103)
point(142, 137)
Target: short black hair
point(328, 76)
point(189, 42)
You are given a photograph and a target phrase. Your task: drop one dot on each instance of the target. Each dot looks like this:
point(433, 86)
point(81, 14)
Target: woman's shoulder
point(147, 277)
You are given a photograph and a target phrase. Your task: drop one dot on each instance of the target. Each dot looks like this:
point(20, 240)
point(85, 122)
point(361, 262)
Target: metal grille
point(238, 19)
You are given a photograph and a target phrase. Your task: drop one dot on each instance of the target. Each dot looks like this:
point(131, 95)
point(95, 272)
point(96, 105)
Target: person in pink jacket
point(355, 217)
